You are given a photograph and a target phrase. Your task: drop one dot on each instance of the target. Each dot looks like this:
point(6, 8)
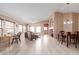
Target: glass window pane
point(24, 28)
point(9, 27)
point(32, 28)
point(45, 28)
point(9, 24)
point(20, 28)
point(38, 29)
point(0, 23)
point(0, 32)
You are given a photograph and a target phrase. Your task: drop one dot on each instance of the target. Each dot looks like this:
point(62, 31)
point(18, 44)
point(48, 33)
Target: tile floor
point(45, 45)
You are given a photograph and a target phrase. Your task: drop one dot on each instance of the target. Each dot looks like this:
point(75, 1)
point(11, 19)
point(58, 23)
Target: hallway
point(45, 45)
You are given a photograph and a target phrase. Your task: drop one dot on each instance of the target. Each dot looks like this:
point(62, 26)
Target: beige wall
point(71, 17)
point(78, 22)
point(58, 22)
point(67, 27)
point(59, 18)
point(75, 22)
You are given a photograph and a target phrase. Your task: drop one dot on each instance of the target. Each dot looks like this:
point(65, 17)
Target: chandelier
point(67, 21)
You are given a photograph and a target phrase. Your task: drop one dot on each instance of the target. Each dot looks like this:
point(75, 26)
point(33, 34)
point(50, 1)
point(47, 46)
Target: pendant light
point(67, 21)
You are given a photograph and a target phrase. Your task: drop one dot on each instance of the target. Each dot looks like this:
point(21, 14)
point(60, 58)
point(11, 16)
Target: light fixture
point(71, 22)
point(64, 22)
point(67, 21)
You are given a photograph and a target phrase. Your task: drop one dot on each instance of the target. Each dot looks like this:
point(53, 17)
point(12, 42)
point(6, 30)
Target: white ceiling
point(34, 12)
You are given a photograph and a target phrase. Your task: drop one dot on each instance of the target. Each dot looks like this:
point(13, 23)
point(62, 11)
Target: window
point(9, 27)
point(0, 23)
point(45, 28)
point(0, 27)
point(32, 28)
point(20, 28)
point(38, 29)
point(24, 28)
